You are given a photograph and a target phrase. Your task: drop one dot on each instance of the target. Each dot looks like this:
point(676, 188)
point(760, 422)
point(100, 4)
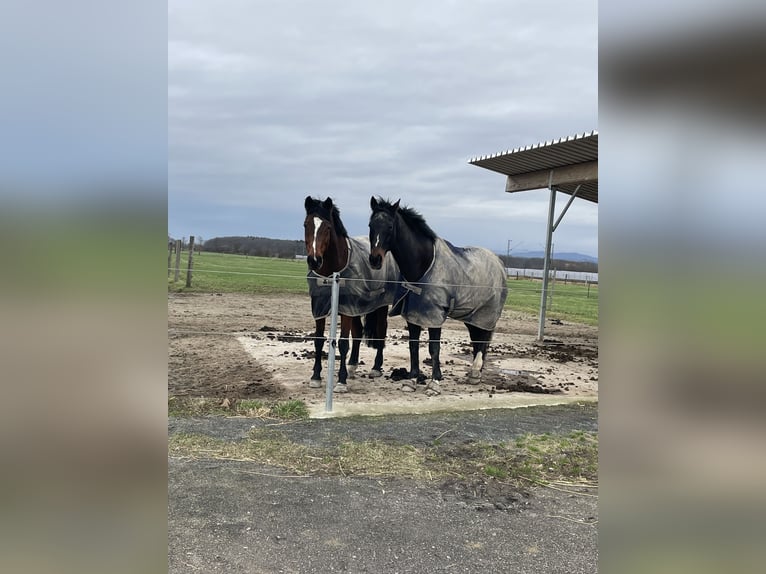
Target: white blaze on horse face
point(377, 240)
point(317, 225)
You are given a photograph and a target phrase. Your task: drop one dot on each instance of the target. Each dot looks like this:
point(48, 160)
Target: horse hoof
point(375, 373)
point(408, 387)
point(341, 388)
point(474, 374)
point(351, 371)
point(315, 383)
point(472, 380)
point(433, 388)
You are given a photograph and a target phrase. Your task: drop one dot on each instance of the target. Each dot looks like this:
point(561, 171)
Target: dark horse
point(364, 292)
point(440, 281)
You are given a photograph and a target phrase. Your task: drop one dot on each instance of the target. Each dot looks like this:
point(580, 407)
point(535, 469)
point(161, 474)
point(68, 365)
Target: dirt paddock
point(258, 346)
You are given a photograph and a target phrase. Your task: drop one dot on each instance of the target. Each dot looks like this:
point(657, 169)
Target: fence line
point(565, 275)
point(415, 283)
point(534, 274)
point(311, 338)
point(350, 279)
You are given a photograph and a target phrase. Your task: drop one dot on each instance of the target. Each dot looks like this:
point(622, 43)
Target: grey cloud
point(353, 99)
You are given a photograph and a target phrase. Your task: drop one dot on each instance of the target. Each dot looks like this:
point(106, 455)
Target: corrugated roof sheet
point(575, 149)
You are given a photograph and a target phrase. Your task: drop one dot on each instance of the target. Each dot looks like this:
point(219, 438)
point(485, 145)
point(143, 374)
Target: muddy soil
point(259, 346)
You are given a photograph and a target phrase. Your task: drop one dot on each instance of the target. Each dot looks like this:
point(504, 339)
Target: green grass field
point(225, 273)
point(573, 302)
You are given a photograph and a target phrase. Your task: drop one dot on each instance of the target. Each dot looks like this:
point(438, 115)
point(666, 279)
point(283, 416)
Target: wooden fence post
point(189, 268)
point(170, 256)
point(178, 261)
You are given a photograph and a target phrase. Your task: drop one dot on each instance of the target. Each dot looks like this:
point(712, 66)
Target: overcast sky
point(269, 102)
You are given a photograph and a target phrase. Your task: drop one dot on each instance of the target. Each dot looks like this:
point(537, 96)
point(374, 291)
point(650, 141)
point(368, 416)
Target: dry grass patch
point(201, 407)
point(273, 448)
point(540, 458)
point(549, 457)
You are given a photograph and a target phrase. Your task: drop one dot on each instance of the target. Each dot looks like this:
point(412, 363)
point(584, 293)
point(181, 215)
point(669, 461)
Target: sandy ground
point(257, 346)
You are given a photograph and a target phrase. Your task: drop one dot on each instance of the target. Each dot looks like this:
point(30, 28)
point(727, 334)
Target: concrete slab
point(441, 404)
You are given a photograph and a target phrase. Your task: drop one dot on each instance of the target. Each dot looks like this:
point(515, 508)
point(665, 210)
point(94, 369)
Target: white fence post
point(333, 333)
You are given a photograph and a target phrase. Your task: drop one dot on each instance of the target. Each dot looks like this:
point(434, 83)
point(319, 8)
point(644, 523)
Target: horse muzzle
point(376, 260)
point(314, 262)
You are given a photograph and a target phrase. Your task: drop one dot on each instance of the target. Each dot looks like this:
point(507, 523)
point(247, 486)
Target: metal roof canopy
point(569, 165)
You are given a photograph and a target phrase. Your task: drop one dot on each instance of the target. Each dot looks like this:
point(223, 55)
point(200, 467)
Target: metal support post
point(333, 343)
point(547, 260)
point(566, 207)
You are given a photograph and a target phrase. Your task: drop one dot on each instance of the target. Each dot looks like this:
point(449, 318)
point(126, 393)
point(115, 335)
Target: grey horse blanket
point(365, 288)
point(466, 284)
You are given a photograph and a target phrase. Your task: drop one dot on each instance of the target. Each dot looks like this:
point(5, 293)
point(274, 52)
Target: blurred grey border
point(83, 186)
point(82, 205)
point(681, 120)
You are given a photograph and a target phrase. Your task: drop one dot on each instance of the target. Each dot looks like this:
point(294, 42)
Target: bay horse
point(439, 281)
point(364, 291)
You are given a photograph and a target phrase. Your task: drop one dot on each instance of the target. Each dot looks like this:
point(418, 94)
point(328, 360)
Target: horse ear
point(308, 203)
point(373, 203)
point(327, 204)
point(396, 205)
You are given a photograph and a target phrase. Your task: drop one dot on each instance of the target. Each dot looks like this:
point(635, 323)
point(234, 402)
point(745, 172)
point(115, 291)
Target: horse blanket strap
point(362, 288)
point(410, 287)
point(466, 284)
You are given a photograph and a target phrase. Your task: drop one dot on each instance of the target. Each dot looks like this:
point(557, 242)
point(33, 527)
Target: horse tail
point(375, 327)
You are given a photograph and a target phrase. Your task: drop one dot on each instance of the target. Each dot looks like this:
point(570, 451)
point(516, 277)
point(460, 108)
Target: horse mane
point(414, 219)
point(317, 207)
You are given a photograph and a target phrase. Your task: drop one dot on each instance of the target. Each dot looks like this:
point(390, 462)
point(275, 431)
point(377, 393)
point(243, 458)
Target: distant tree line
point(289, 248)
point(558, 264)
point(256, 246)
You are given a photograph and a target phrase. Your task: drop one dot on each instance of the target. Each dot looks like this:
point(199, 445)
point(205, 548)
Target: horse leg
point(375, 326)
point(345, 329)
point(434, 345)
point(316, 377)
point(381, 327)
point(356, 341)
point(414, 331)
point(480, 340)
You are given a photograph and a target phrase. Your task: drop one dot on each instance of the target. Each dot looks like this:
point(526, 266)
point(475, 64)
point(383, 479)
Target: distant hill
point(564, 256)
point(561, 261)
